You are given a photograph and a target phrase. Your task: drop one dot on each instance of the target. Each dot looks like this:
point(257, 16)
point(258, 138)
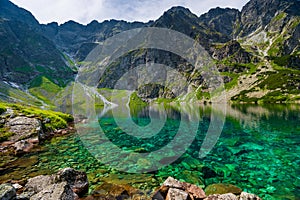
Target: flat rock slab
point(23, 127)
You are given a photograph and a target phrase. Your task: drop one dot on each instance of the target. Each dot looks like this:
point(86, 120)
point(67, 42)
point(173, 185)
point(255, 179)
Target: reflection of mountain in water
point(255, 116)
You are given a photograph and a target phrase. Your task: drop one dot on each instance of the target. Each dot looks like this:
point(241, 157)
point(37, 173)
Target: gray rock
point(77, 180)
point(221, 19)
point(24, 127)
point(17, 186)
point(24, 196)
point(58, 191)
point(232, 51)
point(176, 194)
point(22, 146)
point(57, 186)
point(228, 196)
point(38, 183)
point(173, 183)
point(247, 196)
point(7, 192)
point(193, 191)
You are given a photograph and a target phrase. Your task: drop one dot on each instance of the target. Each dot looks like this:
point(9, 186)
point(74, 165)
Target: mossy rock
point(221, 188)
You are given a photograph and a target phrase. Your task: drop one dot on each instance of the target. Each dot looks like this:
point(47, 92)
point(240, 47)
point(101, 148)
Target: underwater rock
point(245, 148)
point(176, 194)
point(192, 177)
point(221, 188)
point(252, 146)
point(7, 192)
point(113, 191)
point(208, 172)
point(77, 180)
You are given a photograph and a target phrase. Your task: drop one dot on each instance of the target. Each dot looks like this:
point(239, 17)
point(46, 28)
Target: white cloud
point(84, 11)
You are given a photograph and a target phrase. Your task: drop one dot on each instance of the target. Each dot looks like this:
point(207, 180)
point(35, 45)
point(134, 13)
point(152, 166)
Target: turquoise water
point(258, 150)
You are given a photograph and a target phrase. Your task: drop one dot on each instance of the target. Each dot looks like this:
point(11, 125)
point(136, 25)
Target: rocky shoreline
point(22, 130)
point(70, 184)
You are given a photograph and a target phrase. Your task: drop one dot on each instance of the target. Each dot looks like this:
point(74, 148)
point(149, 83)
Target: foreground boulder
point(67, 184)
point(24, 127)
point(176, 194)
point(76, 179)
point(57, 191)
point(174, 189)
point(7, 192)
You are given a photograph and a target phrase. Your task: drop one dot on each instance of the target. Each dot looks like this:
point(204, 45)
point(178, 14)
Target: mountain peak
point(179, 10)
point(221, 19)
point(11, 11)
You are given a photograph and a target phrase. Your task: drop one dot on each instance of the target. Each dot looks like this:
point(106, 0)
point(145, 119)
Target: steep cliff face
point(24, 52)
point(145, 57)
point(273, 26)
point(257, 14)
point(233, 52)
point(12, 12)
point(32, 68)
point(224, 21)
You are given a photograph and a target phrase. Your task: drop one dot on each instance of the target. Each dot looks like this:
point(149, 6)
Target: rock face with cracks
point(67, 184)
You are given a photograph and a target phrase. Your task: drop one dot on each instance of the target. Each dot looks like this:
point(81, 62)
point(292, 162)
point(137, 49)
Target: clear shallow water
point(258, 150)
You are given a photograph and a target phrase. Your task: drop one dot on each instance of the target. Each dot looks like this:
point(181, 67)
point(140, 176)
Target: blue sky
point(84, 11)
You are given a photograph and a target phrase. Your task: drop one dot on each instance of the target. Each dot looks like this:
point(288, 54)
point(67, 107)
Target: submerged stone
point(221, 188)
point(208, 172)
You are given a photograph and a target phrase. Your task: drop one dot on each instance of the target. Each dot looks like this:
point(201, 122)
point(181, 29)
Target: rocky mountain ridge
point(39, 61)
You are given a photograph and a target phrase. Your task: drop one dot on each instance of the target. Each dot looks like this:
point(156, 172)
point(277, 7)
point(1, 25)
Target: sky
point(84, 11)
